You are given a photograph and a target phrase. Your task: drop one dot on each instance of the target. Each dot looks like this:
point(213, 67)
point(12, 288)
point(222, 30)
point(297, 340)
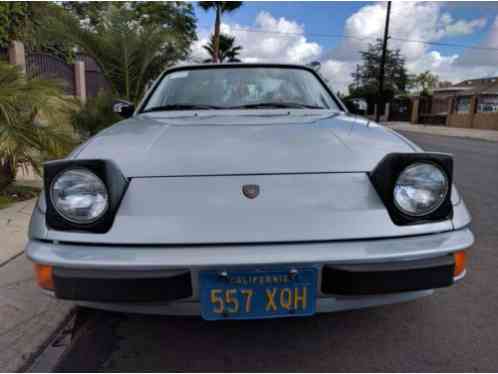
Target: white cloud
point(265, 41)
point(198, 53)
point(461, 27)
point(414, 21)
point(338, 73)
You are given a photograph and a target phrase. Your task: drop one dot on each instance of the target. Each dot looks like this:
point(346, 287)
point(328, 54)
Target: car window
point(233, 88)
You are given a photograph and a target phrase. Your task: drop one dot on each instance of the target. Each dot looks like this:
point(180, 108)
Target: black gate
point(48, 66)
point(433, 110)
point(4, 54)
point(400, 110)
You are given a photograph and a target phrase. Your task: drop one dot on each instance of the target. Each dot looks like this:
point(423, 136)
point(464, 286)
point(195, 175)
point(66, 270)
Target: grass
point(15, 193)
point(5, 201)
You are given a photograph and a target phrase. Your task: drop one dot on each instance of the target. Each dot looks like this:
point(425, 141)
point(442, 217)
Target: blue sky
point(317, 17)
point(310, 22)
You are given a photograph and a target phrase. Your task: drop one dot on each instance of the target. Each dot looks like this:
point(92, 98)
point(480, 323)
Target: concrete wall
point(415, 111)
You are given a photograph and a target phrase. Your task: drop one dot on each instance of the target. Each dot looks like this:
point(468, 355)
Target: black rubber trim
point(384, 177)
point(155, 289)
point(106, 170)
point(388, 277)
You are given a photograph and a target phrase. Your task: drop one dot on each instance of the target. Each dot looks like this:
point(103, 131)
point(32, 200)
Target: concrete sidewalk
point(14, 222)
point(489, 135)
point(28, 318)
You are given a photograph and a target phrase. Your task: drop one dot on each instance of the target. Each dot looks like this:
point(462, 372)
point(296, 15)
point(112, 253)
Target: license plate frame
point(287, 287)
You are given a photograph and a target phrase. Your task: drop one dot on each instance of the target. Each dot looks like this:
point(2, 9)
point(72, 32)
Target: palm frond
point(128, 53)
point(22, 101)
point(228, 50)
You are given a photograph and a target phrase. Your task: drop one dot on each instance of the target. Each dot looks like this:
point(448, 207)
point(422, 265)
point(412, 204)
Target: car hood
point(243, 142)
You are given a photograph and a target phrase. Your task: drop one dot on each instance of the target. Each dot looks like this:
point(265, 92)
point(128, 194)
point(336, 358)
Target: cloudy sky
point(306, 31)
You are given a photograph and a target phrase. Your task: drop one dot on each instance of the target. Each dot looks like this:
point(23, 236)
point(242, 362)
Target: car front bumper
point(164, 279)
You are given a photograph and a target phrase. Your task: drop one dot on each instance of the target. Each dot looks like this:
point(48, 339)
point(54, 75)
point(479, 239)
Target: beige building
point(472, 103)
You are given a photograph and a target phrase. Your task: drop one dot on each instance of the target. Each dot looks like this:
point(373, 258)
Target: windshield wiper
point(181, 107)
point(277, 105)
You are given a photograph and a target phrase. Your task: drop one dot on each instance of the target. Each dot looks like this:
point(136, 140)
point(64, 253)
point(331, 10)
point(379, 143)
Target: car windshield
point(240, 88)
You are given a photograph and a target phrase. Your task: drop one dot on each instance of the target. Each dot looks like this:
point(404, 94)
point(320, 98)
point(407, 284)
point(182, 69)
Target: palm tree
point(31, 122)
point(129, 54)
point(228, 51)
point(220, 7)
point(426, 81)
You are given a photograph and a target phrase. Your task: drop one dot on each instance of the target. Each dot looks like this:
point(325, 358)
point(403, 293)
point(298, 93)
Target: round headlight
point(79, 196)
point(420, 189)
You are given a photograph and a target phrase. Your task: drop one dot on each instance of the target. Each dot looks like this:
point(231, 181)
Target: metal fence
point(51, 67)
point(48, 66)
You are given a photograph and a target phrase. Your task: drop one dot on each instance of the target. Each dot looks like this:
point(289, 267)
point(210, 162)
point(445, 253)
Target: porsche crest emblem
point(250, 190)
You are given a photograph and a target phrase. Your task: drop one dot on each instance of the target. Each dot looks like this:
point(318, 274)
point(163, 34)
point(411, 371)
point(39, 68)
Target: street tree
point(366, 76)
point(177, 17)
point(425, 82)
point(131, 50)
point(23, 21)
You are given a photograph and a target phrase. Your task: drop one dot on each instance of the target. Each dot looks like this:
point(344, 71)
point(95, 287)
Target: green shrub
point(95, 115)
point(16, 192)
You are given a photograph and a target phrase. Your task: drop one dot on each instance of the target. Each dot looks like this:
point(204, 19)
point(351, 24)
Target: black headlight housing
point(110, 175)
point(386, 173)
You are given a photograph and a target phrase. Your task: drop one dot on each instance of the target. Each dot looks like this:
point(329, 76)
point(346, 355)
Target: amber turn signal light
point(44, 276)
point(460, 262)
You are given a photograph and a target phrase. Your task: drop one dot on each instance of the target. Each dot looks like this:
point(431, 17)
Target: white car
point(240, 191)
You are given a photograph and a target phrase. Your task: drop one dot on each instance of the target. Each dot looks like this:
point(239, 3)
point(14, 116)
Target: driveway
point(454, 330)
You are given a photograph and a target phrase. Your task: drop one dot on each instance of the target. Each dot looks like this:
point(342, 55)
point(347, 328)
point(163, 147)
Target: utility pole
point(380, 99)
point(357, 77)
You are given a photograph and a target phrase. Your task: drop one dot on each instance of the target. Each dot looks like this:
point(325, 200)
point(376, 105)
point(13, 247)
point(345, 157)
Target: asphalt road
point(454, 330)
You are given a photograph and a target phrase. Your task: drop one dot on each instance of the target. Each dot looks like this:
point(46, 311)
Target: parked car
point(239, 191)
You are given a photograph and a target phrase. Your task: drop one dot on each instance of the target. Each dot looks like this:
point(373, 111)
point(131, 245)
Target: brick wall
point(463, 120)
point(485, 121)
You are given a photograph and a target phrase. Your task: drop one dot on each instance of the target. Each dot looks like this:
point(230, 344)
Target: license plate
point(257, 294)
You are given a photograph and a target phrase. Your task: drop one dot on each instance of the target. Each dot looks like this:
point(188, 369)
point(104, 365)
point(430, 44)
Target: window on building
point(487, 104)
point(463, 104)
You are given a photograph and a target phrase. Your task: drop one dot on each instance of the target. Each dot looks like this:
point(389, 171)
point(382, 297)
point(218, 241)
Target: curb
point(47, 356)
point(428, 131)
point(6, 262)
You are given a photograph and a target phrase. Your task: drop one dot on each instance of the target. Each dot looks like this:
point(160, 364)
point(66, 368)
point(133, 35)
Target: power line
point(343, 36)
point(446, 44)
point(292, 34)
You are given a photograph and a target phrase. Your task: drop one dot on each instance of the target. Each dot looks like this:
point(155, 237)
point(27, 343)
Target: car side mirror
point(357, 111)
point(124, 108)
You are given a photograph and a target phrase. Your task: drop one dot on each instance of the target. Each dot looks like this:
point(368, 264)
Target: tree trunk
point(7, 174)
point(217, 24)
